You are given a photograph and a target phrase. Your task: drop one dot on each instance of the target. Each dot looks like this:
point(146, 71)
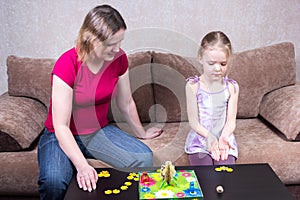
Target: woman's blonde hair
point(99, 24)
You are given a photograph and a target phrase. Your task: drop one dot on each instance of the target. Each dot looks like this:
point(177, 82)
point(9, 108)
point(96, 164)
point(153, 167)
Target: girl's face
point(214, 61)
point(107, 50)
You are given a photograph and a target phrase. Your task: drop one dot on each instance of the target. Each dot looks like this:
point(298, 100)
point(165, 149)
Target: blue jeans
point(109, 144)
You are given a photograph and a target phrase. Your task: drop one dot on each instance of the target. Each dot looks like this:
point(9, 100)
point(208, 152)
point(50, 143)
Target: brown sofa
point(268, 121)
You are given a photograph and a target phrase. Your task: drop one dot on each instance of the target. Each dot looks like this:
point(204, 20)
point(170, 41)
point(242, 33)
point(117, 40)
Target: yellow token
point(133, 174)
point(107, 191)
point(129, 177)
point(104, 174)
point(218, 169)
point(136, 179)
point(229, 169)
point(128, 183)
point(124, 187)
point(116, 191)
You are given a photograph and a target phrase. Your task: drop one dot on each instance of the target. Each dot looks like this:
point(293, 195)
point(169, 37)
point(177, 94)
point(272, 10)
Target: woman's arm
point(127, 107)
point(230, 124)
point(194, 122)
point(62, 97)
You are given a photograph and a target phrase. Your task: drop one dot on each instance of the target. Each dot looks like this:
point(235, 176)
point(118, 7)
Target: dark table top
point(246, 181)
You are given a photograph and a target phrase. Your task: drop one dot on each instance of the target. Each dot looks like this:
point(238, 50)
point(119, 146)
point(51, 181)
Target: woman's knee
point(145, 160)
point(53, 186)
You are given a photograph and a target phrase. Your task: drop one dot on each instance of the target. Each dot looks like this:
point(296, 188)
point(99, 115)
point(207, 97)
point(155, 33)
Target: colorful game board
point(184, 185)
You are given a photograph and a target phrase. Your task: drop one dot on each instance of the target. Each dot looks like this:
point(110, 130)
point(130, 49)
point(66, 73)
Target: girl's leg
point(119, 149)
point(230, 161)
point(56, 170)
point(200, 159)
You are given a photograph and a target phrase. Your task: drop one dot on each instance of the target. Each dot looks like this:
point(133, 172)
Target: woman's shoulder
point(69, 54)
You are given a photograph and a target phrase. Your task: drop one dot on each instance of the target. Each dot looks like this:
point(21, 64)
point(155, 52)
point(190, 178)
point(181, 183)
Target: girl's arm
point(127, 107)
point(62, 97)
point(230, 124)
point(193, 117)
point(192, 109)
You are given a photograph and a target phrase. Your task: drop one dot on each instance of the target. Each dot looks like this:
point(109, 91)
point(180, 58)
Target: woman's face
point(214, 61)
point(107, 49)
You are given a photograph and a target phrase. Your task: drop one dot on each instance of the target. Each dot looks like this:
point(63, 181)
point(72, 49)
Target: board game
point(183, 185)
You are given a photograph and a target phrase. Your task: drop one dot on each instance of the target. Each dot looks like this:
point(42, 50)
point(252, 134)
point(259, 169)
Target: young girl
point(212, 105)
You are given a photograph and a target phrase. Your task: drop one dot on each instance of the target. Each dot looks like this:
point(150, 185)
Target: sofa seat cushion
point(259, 143)
point(21, 122)
point(30, 77)
point(281, 108)
point(19, 173)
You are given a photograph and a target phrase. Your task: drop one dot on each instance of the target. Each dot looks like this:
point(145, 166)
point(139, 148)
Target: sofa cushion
point(169, 77)
point(19, 175)
point(282, 109)
point(141, 88)
point(30, 77)
point(21, 122)
point(260, 71)
point(258, 143)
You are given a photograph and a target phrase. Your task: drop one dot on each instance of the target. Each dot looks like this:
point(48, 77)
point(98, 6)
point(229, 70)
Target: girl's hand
point(151, 133)
point(224, 147)
point(212, 145)
point(87, 178)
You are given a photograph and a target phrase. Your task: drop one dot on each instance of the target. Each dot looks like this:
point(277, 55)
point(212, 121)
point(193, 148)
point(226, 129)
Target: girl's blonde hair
point(214, 38)
point(99, 24)
point(220, 40)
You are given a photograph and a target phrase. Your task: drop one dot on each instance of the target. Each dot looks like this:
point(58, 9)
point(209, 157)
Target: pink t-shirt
point(92, 93)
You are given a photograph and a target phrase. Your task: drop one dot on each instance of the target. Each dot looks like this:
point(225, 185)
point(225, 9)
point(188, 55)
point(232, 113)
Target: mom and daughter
point(86, 78)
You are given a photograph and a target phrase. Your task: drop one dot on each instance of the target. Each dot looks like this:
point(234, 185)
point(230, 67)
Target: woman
point(84, 79)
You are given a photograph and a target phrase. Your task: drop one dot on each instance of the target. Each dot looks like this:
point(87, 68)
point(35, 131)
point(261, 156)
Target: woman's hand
point(213, 147)
point(224, 147)
point(87, 178)
point(151, 133)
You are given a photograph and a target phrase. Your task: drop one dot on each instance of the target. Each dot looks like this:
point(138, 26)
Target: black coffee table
point(247, 181)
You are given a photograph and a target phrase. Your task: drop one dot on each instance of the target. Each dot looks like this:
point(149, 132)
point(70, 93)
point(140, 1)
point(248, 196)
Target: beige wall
point(46, 28)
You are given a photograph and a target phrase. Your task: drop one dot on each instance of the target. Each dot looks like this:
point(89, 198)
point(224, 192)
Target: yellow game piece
point(136, 179)
point(218, 169)
point(229, 169)
point(107, 191)
point(129, 177)
point(116, 191)
point(124, 187)
point(128, 183)
point(104, 174)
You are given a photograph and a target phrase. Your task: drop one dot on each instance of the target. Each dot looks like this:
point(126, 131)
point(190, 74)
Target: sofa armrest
point(21, 122)
point(281, 108)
